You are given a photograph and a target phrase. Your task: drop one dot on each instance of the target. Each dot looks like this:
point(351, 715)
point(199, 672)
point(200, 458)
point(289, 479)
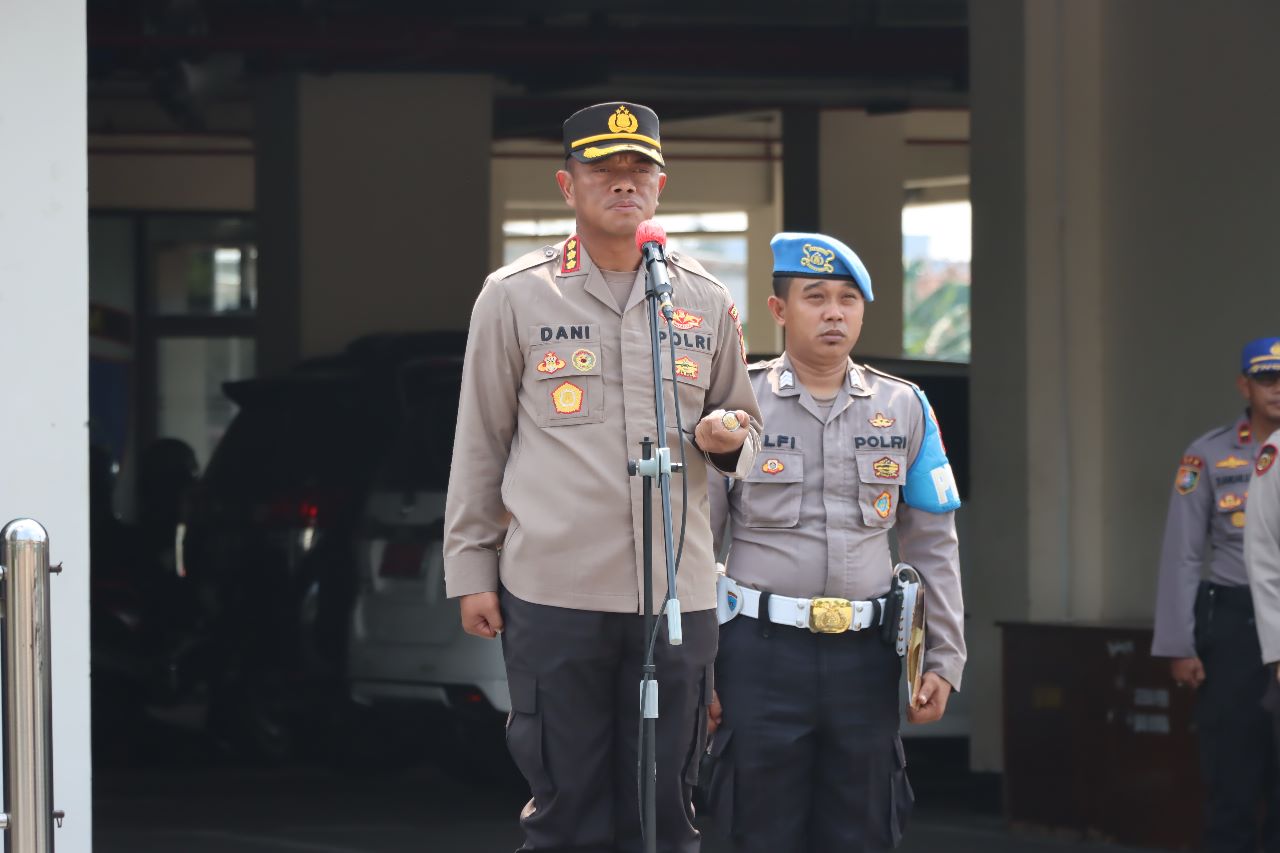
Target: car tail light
point(402, 560)
point(292, 512)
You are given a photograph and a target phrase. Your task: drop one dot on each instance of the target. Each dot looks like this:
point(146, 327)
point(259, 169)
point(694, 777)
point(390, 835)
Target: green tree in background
point(935, 311)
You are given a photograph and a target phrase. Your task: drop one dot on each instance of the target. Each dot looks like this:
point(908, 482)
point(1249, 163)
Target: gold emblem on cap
point(1275, 349)
point(623, 121)
point(818, 258)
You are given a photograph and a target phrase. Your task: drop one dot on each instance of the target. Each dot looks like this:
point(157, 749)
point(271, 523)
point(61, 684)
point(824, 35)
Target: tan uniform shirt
point(812, 518)
point(557, 392)
point(1262, 547)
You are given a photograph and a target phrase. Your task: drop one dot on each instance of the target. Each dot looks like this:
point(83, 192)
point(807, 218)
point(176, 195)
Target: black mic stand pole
point(653, 465)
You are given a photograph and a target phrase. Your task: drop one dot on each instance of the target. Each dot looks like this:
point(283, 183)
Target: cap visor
point(592, 153)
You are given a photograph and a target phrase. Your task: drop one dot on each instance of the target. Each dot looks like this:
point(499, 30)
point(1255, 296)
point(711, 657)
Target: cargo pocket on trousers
point(524, 733)
point(693, 762)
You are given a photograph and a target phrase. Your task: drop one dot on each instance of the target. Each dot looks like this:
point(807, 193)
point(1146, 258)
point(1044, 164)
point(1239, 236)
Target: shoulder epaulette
point(761, 365)
point(890, 376)
point(527, 261)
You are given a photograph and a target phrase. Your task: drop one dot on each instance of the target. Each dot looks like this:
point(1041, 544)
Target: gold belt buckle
point(830, 615)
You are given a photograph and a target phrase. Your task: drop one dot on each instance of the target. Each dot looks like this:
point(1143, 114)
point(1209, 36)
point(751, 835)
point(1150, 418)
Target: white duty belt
point(819, 615)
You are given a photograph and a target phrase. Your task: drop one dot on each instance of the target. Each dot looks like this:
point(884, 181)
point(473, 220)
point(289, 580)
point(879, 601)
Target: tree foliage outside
point(935, 310)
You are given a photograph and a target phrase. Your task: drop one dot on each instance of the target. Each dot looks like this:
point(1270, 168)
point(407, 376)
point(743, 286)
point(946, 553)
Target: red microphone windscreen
point(650, 231)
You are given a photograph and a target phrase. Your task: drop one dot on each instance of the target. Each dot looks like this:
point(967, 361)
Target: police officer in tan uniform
point(810, 757)
point(1205, 614)
point(543, 536)
point(1262, 559)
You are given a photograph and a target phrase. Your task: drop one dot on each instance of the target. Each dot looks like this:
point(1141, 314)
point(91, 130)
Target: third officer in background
point(1205, 618)
point(812, 759)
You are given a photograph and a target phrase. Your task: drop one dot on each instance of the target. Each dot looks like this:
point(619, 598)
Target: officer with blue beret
point(1205, 616)
point(814, 620)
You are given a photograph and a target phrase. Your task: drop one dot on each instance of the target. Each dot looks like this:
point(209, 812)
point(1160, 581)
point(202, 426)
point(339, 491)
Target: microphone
point(651, 240)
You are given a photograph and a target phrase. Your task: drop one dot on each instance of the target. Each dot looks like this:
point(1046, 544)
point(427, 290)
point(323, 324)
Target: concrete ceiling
point(193, 58)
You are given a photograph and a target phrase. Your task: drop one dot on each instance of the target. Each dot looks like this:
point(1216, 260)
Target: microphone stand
point(654, 465)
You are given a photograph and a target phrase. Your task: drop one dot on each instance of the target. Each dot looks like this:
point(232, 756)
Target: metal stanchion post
point(28, 729)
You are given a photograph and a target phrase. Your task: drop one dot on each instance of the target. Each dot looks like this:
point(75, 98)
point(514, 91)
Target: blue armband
point(931, 486)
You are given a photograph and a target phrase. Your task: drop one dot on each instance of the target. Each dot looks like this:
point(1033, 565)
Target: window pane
point(190, 402)
point(936, 241)
point(202, 266)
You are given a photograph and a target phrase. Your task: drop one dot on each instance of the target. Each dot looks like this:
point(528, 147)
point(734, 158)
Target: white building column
point(373, 207)
point(44, 349)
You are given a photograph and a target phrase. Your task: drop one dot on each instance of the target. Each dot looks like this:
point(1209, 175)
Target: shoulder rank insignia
point(686, 367)
point(881, 422)
point(570, 261)
point(551, 363)
point(567, 398)
point(886, 468)
point(1231, 462)
point(772, 466)
point(1230, 501)
point(685, 320)
point(884, 504)
point(584, 360)
point(1266, 459)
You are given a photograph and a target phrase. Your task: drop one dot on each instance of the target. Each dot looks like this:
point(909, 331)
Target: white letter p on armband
point(944, 483)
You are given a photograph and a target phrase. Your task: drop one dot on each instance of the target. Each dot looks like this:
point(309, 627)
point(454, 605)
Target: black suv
point(270, 526)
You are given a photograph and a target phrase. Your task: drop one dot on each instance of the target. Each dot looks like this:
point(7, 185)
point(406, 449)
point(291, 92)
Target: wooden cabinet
point(1096, 736)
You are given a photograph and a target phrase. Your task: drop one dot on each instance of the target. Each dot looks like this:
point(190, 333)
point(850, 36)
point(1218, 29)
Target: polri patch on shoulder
point(1266, 458)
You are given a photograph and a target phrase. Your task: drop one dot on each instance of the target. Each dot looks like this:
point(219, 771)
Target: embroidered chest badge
point(684, 320)
point(1231, 462)
point(886, 468)
point(884, 504)
point(687, 367)
point(551, 363)
point(1230, 501)
point(773, 466)
point(584, 360)
point(567, 398)
point(881, 422)
point(1237, 519)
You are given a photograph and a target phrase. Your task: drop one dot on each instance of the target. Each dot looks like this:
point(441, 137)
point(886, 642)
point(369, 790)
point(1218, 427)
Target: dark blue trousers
point(813, 759)
point(1237, 755)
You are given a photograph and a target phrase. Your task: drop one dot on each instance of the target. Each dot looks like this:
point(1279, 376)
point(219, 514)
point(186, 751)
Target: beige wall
point(373, 217)
point(1123, 212)
point(170, 173)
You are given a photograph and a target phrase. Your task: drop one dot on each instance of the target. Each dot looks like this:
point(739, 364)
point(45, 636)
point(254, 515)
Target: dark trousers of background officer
point(814, 761)
point(575, 721)
point(1237, 754)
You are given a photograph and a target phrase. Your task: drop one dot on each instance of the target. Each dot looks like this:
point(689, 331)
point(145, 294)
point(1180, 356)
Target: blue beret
point(1262, 354)
point(818, 256)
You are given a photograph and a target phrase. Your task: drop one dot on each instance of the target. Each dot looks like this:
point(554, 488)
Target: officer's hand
point(481, 614)
point(713, 436)
point(1187, 672)
point(931, 700)
point(714, 713)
